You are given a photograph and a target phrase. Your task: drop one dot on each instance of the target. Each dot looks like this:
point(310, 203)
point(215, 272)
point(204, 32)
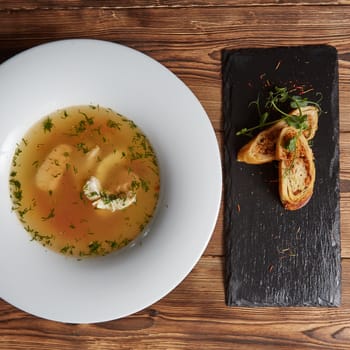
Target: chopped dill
point(144, 185)
point(49, 216)
point(113, 124)
point(81, 146)
point(48, 124)
point(67, 249)
point(80, 127)
point(65, 115)
point(89, 120)
point(94, 247)
point(113, 244)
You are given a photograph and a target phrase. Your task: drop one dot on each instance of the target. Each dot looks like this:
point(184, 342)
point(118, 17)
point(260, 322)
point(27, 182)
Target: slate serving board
point(274, 256)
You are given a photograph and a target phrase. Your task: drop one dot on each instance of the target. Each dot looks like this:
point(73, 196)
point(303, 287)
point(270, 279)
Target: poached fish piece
point(52, 169)
point(112, 193)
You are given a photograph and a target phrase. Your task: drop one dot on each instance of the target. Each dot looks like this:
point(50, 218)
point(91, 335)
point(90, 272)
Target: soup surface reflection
point(84, 181)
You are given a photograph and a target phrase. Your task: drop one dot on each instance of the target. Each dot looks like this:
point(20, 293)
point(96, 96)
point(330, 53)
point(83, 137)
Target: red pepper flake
point(278, 65)
point(306, 91)
point(238, 208)
point(300, 89)
point(270, 268)
point(272, 181)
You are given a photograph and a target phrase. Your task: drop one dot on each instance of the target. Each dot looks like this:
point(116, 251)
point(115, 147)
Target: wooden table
point(188, 37)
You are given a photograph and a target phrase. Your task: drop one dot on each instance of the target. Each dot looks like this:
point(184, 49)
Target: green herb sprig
point(276, 100)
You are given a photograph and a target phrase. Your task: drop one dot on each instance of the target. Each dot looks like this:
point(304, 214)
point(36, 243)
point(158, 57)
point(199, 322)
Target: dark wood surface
point(188, 37)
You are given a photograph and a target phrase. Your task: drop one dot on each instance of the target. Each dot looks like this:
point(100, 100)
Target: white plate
point(72, 72)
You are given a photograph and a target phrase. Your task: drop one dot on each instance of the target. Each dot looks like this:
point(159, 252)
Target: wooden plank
point(192, 50)
point(275, 256)
point(118, 4)
point(345, 156)
point(204, 320)
point(235, 27)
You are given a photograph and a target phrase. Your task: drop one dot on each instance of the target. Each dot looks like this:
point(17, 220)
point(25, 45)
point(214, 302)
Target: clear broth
point(50, 170)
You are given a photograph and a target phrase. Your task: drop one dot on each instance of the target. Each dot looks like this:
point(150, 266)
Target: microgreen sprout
point(276, 101)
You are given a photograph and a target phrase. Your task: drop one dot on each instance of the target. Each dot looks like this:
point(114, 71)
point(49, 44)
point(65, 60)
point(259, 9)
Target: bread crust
point(262, 148)
point(297, 171)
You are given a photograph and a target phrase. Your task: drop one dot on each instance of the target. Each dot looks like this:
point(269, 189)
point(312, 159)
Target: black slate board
point(274, 256)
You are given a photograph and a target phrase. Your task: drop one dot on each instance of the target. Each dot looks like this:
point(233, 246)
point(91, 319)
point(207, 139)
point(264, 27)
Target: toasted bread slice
point(311, 113)
point(262, 148)
point(296, 168)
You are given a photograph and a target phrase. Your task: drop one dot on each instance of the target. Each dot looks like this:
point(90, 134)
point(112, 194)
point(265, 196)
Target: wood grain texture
point(191, 316)
point(117, 4)
point(188, 38)
point(191, 48)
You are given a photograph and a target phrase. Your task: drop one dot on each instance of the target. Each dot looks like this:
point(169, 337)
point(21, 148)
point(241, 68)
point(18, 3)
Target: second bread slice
point(296, 168)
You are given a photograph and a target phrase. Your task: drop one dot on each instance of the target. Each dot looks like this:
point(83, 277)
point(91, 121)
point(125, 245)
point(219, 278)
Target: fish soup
point(84, 181)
